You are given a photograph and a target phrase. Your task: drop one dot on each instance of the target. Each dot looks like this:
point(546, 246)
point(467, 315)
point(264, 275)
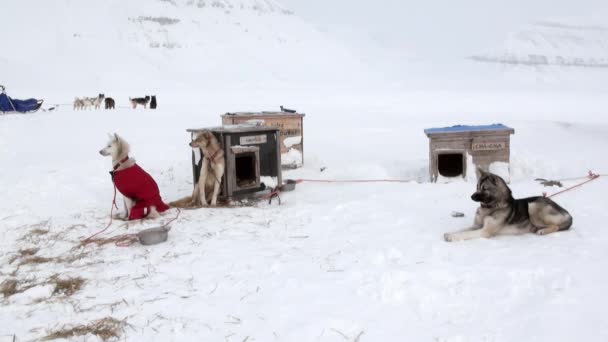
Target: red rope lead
point(590, 178)
point(85, 241)
point(173, 219)
point(273, 193)
point(124, 240)
point(353, 181)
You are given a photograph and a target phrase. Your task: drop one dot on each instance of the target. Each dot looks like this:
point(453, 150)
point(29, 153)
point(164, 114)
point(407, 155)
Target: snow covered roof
point(465, 128)
point(263, 113)
point(242, 128)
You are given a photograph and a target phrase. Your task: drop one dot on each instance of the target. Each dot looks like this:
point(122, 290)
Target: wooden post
point(279, 173)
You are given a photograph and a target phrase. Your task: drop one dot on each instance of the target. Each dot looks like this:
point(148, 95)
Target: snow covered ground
point(335, 262)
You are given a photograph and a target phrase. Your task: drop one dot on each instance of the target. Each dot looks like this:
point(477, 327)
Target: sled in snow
point(8, 105)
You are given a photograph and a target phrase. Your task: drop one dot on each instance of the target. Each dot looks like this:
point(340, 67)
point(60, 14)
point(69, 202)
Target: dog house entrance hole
point(245, 165)
point(450, 164)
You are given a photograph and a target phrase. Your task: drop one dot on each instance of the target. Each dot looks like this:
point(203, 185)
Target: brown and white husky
point(207, 189)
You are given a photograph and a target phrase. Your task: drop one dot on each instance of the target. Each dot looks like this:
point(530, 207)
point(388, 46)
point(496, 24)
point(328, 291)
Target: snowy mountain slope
point(94, 45)
point(429, 44)
point(554, 43)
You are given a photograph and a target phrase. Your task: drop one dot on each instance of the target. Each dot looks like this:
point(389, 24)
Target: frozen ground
point(335, 262)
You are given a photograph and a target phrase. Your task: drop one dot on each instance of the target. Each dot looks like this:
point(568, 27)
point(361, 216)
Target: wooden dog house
point(250, 152)
point(449, 148)
point(289, 122)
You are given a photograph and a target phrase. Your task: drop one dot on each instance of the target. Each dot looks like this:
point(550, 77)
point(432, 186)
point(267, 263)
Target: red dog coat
point(139, 186)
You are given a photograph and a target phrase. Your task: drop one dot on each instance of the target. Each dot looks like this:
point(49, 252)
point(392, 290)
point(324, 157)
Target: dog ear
point(481, 171)
point(116, 137)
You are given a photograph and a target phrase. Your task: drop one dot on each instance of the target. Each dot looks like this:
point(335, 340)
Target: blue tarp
point(463, 128)
point(22, 106)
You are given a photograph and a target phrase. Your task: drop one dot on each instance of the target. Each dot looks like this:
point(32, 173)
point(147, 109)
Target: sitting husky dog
point(140, 101)
point(500, 214)
point(211, 173)
point(141, 195)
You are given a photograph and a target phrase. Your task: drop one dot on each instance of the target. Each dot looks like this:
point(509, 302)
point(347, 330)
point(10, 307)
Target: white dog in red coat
point(140, 191)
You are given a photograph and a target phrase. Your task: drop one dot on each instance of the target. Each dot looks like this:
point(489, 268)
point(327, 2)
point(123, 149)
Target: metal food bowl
point(153, 236)
point(289, 185)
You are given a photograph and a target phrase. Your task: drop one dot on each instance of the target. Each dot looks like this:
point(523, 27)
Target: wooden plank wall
point(289, 125)
point(489, 147)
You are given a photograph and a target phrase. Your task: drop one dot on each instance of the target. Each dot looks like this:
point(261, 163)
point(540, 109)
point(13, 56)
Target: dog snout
point(477, 197)
point(192, 144)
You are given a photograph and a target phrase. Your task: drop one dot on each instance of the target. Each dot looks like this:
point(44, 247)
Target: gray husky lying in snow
point(500, 214)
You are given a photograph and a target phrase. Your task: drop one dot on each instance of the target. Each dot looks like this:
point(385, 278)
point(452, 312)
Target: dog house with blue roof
point(450, 148)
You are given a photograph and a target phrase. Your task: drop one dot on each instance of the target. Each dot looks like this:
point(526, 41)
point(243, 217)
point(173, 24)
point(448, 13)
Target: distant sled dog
point(143, 101)
point(88, 102)
point(109, 103)
point(153, 103)
point(500, 214)
point(140, 191)
point(97, 102)
point(78, 104)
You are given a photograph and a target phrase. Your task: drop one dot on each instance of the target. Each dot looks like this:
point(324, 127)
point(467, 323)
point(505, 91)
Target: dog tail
point(183, 203)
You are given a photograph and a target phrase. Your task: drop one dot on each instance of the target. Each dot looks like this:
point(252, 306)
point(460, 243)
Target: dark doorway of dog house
point(451, 164)
point(245, 165)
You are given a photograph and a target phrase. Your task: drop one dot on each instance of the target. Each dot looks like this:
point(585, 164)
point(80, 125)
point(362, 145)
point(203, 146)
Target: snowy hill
point(553, 43)
point(128, 45)
point(431, 45)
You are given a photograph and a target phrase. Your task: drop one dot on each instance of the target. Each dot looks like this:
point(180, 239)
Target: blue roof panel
point(464, 128)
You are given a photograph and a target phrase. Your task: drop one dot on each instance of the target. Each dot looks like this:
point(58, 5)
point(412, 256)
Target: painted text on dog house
point(488, 146)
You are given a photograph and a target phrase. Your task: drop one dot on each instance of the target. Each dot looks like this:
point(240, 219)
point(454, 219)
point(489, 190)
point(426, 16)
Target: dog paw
point(544, 231)
point(153, 215)
point(120, 216)
point(448, 237)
